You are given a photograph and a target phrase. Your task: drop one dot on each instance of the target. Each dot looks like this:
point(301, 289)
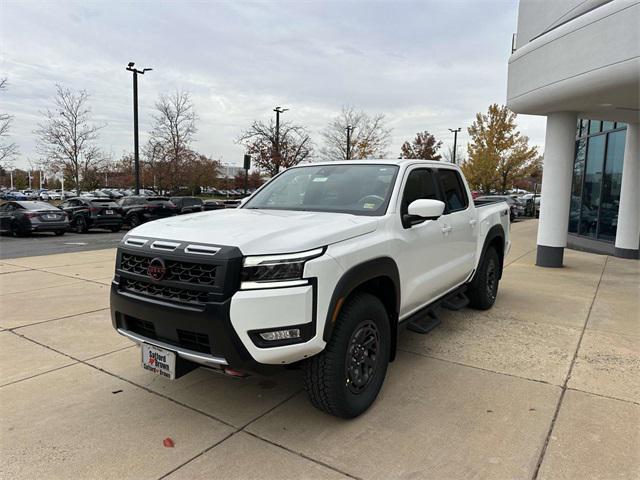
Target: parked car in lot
point(318, 269)
point(213, 205)
point(515, 210)
point(85, 213)
point(24, 217)
point(137, 210)
point(187, 204)
point(14, 195)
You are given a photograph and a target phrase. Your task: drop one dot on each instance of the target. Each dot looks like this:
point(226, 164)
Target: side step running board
point(424, 324)
point(455, 302)
point(427, 319)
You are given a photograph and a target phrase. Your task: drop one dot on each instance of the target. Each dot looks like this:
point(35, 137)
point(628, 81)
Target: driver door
point(422, 247)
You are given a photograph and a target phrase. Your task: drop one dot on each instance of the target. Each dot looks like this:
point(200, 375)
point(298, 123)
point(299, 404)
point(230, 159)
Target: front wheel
point(115, 228)
point(344, 379)
point(59, 233)
point(484, 288)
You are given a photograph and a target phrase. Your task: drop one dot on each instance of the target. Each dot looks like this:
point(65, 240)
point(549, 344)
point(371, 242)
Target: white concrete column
point(628, 231)
point(559, 151)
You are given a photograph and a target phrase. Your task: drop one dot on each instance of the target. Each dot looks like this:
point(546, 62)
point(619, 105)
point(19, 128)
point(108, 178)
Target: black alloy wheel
point(362, 355)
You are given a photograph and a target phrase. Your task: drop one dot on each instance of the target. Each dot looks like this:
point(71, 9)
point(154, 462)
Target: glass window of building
point(597, 176)
point(611, 182)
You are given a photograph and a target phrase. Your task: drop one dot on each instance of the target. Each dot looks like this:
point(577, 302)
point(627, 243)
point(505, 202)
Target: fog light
point(281, 334)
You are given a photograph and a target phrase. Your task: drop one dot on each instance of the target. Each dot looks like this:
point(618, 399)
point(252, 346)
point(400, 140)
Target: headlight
point(273, 271)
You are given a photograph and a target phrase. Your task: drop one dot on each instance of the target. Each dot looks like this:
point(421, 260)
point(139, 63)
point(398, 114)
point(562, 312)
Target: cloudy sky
point(427, 65)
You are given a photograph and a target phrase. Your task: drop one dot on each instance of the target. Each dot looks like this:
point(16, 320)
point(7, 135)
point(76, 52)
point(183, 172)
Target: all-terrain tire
point(484, 288)
point(333, 388)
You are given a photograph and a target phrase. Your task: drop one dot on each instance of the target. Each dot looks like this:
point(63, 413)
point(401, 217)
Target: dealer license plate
point(51, 216)
point(159, 361)
point(108, 212)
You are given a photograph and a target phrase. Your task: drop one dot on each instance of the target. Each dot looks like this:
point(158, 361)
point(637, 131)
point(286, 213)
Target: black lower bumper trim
point(214, 321)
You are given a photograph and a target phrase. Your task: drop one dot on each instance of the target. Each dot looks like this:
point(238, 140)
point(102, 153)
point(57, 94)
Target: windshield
point(357, 189)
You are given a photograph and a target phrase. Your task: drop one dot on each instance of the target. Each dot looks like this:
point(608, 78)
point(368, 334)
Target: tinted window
point(592, 184)
point(455, 197)
point(420, 184)
point(611, 183)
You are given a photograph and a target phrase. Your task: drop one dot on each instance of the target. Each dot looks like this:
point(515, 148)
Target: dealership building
point(577, 62)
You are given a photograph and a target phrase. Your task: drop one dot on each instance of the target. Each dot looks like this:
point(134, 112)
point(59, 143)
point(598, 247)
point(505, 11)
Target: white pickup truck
point(318, 269)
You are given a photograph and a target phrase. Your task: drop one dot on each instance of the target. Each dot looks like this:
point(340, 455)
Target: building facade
point(577, 62)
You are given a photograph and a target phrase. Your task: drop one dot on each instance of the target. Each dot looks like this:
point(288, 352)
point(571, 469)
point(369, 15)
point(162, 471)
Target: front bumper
point(222, 328)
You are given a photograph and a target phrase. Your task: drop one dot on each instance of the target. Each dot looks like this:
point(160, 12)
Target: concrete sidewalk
point(545, 385)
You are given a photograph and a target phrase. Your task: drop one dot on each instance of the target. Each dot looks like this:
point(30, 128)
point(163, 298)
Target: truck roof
point(382, 161)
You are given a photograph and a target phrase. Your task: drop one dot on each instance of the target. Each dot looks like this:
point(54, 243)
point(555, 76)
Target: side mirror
point(421, 210)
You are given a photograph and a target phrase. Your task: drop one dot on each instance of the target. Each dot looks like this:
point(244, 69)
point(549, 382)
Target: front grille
point(177, 271)
point(198, 342)
point(164, 292)
point(142, 327)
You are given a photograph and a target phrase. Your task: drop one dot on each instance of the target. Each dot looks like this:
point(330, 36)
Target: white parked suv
point(318, 269)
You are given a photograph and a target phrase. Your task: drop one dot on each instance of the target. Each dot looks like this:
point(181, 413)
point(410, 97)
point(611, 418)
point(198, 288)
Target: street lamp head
point(146, 70)
point(131, 64)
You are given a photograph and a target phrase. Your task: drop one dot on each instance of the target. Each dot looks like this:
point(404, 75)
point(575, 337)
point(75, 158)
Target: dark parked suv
point(137, 210)
point(90, 212)
point(187, 204)
point(22, 218)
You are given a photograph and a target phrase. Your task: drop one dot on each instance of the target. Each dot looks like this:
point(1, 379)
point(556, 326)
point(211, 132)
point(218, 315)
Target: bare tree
point(447, 155)
point(171, 137)
point(8, 149)
point(261, 143)
point(66, 137)
point(369, 136)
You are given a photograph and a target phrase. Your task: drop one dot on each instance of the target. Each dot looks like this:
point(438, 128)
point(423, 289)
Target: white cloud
point(425, 65)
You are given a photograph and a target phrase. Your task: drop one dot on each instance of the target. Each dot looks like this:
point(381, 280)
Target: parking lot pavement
point(47, 243)
point(544, 385)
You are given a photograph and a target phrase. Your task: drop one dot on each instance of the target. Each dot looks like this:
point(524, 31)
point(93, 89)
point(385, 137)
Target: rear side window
point(453, 191)
point(420, 184)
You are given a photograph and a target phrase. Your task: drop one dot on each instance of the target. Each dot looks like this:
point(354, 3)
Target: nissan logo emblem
point(156, 269)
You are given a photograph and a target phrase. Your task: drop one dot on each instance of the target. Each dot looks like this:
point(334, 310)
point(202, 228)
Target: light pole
point(278, 111)
point(349, 130)
point(11, 177)
point(455, 142)
point(136, 157)
point(153, 163)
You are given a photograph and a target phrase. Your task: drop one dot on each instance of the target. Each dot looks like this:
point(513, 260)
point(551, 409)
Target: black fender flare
point(495, 232)
point(357, 276)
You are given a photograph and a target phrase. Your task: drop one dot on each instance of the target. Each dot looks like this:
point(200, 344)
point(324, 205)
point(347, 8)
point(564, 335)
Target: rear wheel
point(115, 228)
point(59, 233)
point(135, 221)
point(344, 379)
point(81, 224)
point(484, 288)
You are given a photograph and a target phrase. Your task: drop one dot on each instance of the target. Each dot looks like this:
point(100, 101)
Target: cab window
point(420, 185)
point(453, 191)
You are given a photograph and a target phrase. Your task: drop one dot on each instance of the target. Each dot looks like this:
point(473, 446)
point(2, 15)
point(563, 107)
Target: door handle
point(446, 229)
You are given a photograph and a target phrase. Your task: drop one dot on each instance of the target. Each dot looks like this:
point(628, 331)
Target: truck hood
point(259, 231)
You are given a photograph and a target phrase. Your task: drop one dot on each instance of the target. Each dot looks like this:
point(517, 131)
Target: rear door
point(459, 226)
